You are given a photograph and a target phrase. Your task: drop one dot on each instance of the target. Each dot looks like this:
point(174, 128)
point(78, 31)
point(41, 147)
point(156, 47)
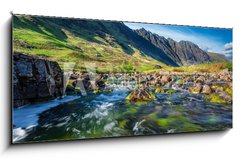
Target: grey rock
point(35, 80)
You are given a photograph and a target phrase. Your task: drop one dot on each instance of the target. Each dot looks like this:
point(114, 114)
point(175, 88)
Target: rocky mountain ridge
point(183, 52)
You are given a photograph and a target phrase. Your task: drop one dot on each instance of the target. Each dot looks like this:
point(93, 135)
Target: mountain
point(217, 57)
point(111, 46)
point(182, 53)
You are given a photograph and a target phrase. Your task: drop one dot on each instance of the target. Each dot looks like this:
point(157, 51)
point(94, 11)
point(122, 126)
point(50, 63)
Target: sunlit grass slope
point(83, 42)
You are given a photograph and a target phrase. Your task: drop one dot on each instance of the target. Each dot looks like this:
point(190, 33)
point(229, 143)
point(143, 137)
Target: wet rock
point(178, 84)
point(159, 90)
point(171, 91)
point(35, 80)
point(219, 98)
point(206, 89)
point(197, 89)
point(200, 80)
point(140, 95)
point(165, 79)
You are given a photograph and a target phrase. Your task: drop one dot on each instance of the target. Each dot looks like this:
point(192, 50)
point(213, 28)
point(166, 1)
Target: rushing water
point(110, 115)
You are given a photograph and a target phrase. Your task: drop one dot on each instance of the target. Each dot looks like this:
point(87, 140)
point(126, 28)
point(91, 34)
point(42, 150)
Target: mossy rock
point(219, 86)
point(171, 91)
point(140, 95)
point(159, 90)
point(216, 98)
point(180, 81)
point(95, 91)
point(77, 88)
point(102, 90)
point(229, 91)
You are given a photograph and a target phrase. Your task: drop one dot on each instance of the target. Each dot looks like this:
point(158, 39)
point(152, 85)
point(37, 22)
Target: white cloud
point(228, 46)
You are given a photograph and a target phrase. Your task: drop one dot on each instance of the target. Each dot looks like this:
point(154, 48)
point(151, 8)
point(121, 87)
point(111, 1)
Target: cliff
point(35, 79)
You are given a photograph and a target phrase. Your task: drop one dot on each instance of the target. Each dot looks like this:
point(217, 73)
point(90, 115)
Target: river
point(108, 114)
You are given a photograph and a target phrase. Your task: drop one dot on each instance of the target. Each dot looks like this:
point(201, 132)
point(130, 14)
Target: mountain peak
point(182, 52)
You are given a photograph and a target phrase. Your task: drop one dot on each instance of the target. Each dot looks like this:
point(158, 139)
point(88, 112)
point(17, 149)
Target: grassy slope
point(217, 57)
point(66, 41)
point(208, 67)
point(71, 43)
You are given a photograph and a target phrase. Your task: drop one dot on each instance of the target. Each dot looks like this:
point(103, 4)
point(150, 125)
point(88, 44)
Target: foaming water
point(108, 114)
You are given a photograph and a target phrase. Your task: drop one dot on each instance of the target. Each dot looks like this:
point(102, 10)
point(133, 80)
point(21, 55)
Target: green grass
point(67, 41)
point(207, 67)
point(50, 39)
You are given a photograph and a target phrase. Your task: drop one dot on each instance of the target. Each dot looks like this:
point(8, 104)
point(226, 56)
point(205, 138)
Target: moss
point(140, 95)
point(70, 84)
point(164, 122)
point(132, 110)
point(159, 90)
point(215, 98)
point(189, 127)
point(96, 91)
point(152, 96)
point(179, 108)
point(77, 88)
point(180, 81)
point(229, 91)
point(171, 91)
point(122, 124)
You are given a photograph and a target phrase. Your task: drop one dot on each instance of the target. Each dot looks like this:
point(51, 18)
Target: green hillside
point(82, 42)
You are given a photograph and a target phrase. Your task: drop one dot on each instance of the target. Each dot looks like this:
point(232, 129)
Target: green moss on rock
point(159, 90)
point(140, 95)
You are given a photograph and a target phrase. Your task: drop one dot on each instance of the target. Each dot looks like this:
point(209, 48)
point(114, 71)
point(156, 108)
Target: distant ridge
point(183, 52)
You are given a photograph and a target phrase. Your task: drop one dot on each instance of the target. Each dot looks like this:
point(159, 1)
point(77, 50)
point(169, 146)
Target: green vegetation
point(206, 67)
point(67, 41)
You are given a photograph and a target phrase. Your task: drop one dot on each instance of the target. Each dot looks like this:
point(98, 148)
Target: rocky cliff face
point(35, 80)
point(182, 53)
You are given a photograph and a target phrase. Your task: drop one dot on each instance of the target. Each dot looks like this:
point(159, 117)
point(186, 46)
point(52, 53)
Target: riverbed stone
point(159, 90)
point(140, 95)
point(197, 89)
point(206, 89)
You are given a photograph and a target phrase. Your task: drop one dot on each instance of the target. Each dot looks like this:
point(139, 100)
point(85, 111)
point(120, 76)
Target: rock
point(218, 87)
point(206, 89)
point(165, 79)
point(226, 96)
point(35, 80)
point(140, 95)
point(219, 98)
point(197, 89)
point(159, 90)
point(180, 82)
point(171, 91)
point(157, 67)
point(200, 80)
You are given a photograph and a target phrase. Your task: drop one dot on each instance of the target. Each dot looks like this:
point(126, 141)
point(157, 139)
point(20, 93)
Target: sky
point(216, 40)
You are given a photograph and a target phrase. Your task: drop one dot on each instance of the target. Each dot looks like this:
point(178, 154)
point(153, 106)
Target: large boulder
point(35, 79)
point(140, 95)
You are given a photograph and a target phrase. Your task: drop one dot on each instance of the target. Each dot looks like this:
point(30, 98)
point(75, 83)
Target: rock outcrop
point(182, 53)
point(35, 79)
point(140, 95)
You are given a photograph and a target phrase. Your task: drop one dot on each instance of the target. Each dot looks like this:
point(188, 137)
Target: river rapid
point(108, 114)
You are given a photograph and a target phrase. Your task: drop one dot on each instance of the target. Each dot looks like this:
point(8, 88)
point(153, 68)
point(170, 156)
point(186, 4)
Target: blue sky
point(209, 39)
